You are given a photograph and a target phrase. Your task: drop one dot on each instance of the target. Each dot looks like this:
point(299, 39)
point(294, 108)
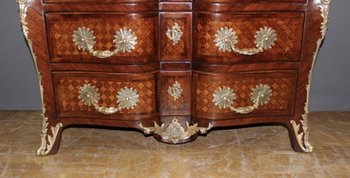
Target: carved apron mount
point(175, 132)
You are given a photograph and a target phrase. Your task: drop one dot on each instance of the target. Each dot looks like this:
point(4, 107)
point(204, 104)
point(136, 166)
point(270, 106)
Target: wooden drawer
point(248, 94)
point(175, 93)
point(91, 94)
point(102, 38)
point(240, 37)
point(253, 1)
point(175, 36)
point(95, 1)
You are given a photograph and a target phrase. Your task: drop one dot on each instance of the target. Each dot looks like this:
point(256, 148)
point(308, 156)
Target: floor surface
point(245, 152)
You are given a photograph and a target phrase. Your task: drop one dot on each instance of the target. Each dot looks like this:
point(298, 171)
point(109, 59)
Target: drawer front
point(94, 1)
point(102, 38)
point(245, 38)
point(252, 1)
point(105, 95)
point(227, 96)
point(199, 1)
point(175, 95)
point(175, 36)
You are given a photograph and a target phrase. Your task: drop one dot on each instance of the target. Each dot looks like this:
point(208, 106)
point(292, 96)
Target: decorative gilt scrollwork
point(303, 137)
point(325, 15)
point(175, 132)
point(223, 98)
point(23, 7)
point(125, 40)
point(47, 141)
point(226, 39)
point(127, 98)
point(174, 33)
point(175, 90)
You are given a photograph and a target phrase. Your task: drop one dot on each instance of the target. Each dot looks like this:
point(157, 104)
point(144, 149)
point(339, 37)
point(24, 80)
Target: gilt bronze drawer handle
point(125, 40)
point(174, 33)
point(127, 98)
point(175, 132)
point(226, 39)
point(223, 98)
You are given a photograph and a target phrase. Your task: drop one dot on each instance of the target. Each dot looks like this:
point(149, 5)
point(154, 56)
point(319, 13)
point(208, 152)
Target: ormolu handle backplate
point(226, 39)
point(125, 40)
point(223, 98)
point(127, 98)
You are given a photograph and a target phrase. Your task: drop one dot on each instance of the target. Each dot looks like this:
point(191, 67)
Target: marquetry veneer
point(174, 69)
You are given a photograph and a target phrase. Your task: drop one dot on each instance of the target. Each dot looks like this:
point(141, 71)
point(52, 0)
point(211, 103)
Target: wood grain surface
point(155, 63)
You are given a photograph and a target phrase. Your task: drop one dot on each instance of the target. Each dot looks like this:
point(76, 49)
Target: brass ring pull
point(175, 132)
point(226, 39)
point(223, 98)
point(124, 41)
point(127, 98)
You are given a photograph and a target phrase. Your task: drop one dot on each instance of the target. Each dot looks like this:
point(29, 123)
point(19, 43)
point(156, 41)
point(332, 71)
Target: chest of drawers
point(174, 69)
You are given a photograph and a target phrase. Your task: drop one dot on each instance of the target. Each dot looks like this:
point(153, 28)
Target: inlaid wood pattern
point(178, 104)
point(155, 64)
point(93, 1)
point(231, 1)
point(63, 49)
point(288, 27)
point(182, 105)
point(68, 86)
point(181, 50)
point(281, 84)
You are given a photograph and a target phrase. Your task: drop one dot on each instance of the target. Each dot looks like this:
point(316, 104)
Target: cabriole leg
point(50, 137)
point(299, 136)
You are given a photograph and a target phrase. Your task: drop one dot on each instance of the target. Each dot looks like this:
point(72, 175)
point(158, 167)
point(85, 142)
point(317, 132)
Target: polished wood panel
point(288, 28)
point(175, 6)
point(101, 7)
point(176, 66)
point(250, 1)
point(61, 26)
point(282, 84)
point(93, 67)
point(222, 68)
point(155, 64)
point(182, 50)
point(67, 87)
point(168, 104)
point(94, 1)
point(255, 6)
